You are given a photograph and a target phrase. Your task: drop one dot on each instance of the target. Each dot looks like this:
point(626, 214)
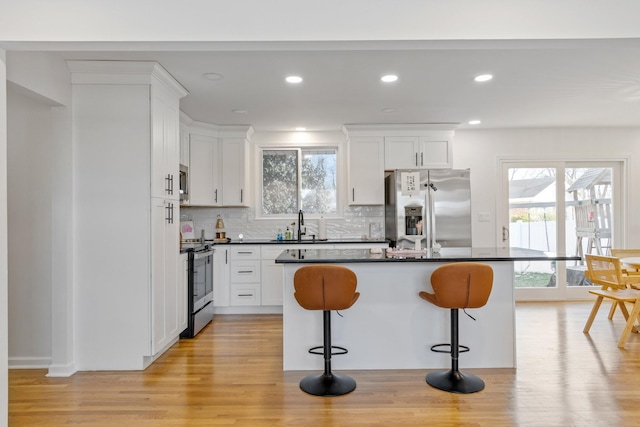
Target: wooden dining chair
point(607, 272)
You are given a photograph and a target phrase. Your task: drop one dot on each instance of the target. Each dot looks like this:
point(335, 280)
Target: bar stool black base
point(455, 381)
point(328, 385)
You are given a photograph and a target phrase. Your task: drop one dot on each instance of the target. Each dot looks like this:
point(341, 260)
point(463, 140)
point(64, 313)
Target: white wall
point(29, 217)
point(4, 330)
point(242, 20)
point(481, 149)
point(41, 91)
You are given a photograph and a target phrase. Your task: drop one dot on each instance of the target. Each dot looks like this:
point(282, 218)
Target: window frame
point(340, 179)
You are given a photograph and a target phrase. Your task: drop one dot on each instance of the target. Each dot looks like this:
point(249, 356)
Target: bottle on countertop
point(279, 237)
point(287, 234)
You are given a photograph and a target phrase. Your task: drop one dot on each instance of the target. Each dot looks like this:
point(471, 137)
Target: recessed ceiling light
point(239, 111)
point(389, 78)
point(388, 110)
point(299, 129)
point(213, 76)
point(293, 79)
point(483, 77)
point(474, 122)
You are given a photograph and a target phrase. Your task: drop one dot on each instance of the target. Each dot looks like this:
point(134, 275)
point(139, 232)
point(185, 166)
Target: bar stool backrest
point(325, 287)
point(462, 285)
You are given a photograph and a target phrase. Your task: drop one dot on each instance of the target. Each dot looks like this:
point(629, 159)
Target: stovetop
point(194, 247)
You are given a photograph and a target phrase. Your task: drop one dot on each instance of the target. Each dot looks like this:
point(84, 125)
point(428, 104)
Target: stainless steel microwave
point(184, 183)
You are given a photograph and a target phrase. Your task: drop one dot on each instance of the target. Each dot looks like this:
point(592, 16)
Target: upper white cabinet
point(366, 170)
point(219, 173)
point(203, 173)
point(126, 149)
point(234, 161)
point(418, 152)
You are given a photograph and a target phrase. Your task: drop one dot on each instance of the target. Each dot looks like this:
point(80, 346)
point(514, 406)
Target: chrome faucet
point(300, 224)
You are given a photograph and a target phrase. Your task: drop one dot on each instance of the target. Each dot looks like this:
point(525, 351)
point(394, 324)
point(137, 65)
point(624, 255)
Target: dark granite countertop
point(306, 241)
point(344, 256)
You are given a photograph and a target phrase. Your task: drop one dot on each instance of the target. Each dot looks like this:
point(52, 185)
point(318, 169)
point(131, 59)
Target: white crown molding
point(122, 73)
point(399, 129)
point(236, 131)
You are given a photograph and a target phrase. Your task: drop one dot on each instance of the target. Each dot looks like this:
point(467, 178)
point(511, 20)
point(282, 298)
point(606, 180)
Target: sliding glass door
point(561, 207)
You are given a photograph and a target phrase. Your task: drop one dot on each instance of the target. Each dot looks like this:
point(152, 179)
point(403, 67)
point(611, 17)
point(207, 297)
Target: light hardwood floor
point(231, 375)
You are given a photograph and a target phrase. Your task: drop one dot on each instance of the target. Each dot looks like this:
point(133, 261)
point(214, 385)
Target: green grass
point(532, 280)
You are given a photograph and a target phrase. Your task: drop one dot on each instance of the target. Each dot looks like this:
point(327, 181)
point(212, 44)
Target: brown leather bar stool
point(326, 288)
point(458, 286)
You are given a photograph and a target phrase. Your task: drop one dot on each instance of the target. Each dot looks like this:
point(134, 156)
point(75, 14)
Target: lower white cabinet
point(221, 275)
point(245, 275)
point(272, 275)
point(166, 296)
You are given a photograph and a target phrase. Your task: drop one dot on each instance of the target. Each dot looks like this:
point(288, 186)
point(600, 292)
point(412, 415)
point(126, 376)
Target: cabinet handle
point(353, 194)
point(216, 194)
point(245, 271)
point(226, 256)
point(171, 184)
point(245, 252)
point(416, 159)
point(241, 195)
point(167, 187)
point(167, 216)
point(421, 159)
point(245, 295)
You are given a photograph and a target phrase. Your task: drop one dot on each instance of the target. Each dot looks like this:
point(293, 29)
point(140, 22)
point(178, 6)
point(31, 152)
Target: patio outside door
point(561, 207)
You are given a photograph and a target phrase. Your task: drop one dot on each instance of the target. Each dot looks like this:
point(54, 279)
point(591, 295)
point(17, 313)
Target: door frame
point(619, 215)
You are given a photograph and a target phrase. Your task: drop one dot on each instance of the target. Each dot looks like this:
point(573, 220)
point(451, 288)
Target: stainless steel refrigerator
point(428, 205)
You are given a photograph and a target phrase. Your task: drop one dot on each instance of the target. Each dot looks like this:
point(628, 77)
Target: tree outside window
point(299, 179)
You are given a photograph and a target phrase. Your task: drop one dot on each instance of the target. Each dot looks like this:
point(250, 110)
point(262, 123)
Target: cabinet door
point(435, 152)
point(401, 152)
point(221, 285)
point(366, 171)
point(165, 144)
point(272, 282)
point(202, 170)
point(164, 274)
point(234, 170)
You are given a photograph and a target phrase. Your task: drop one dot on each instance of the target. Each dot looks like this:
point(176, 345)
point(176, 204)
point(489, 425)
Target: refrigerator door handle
point(505, 234)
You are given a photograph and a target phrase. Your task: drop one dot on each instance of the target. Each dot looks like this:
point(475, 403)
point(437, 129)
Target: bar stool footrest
point(436, 348)
point(320, 350)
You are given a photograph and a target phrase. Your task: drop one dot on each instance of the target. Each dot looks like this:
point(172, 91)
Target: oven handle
point(199, 255)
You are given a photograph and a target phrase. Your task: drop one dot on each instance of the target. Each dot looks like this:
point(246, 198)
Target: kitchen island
point(390, 327)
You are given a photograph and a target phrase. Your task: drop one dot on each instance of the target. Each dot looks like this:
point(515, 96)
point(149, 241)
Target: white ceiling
point(536, 84)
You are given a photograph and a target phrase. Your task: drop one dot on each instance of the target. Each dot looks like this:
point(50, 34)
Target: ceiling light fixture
point(300, 129)
point(389, 78)
point(239, 111)
point(483, 77)
point(294, 79)
point(474, 122)
point(388, 110)
point(212, 76)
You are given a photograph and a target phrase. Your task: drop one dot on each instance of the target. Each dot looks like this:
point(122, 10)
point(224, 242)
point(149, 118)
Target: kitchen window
point(294, 179)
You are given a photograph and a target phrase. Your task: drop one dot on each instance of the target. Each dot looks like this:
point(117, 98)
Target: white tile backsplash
point(354, 223)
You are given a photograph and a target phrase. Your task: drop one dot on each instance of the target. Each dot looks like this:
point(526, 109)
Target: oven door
point(202, 279)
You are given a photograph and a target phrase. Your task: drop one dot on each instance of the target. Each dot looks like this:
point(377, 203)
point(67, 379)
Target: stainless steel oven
point(200, 288)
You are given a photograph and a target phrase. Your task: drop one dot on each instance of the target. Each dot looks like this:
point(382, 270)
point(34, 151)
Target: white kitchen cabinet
point(126, 130)
point(165, 294)
point(418, 152)
point(366, 170)
point(272, 275)
point(245, 275)
point(221, 289)
point(235, 172)
point(165, 143)
point(203, 174)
